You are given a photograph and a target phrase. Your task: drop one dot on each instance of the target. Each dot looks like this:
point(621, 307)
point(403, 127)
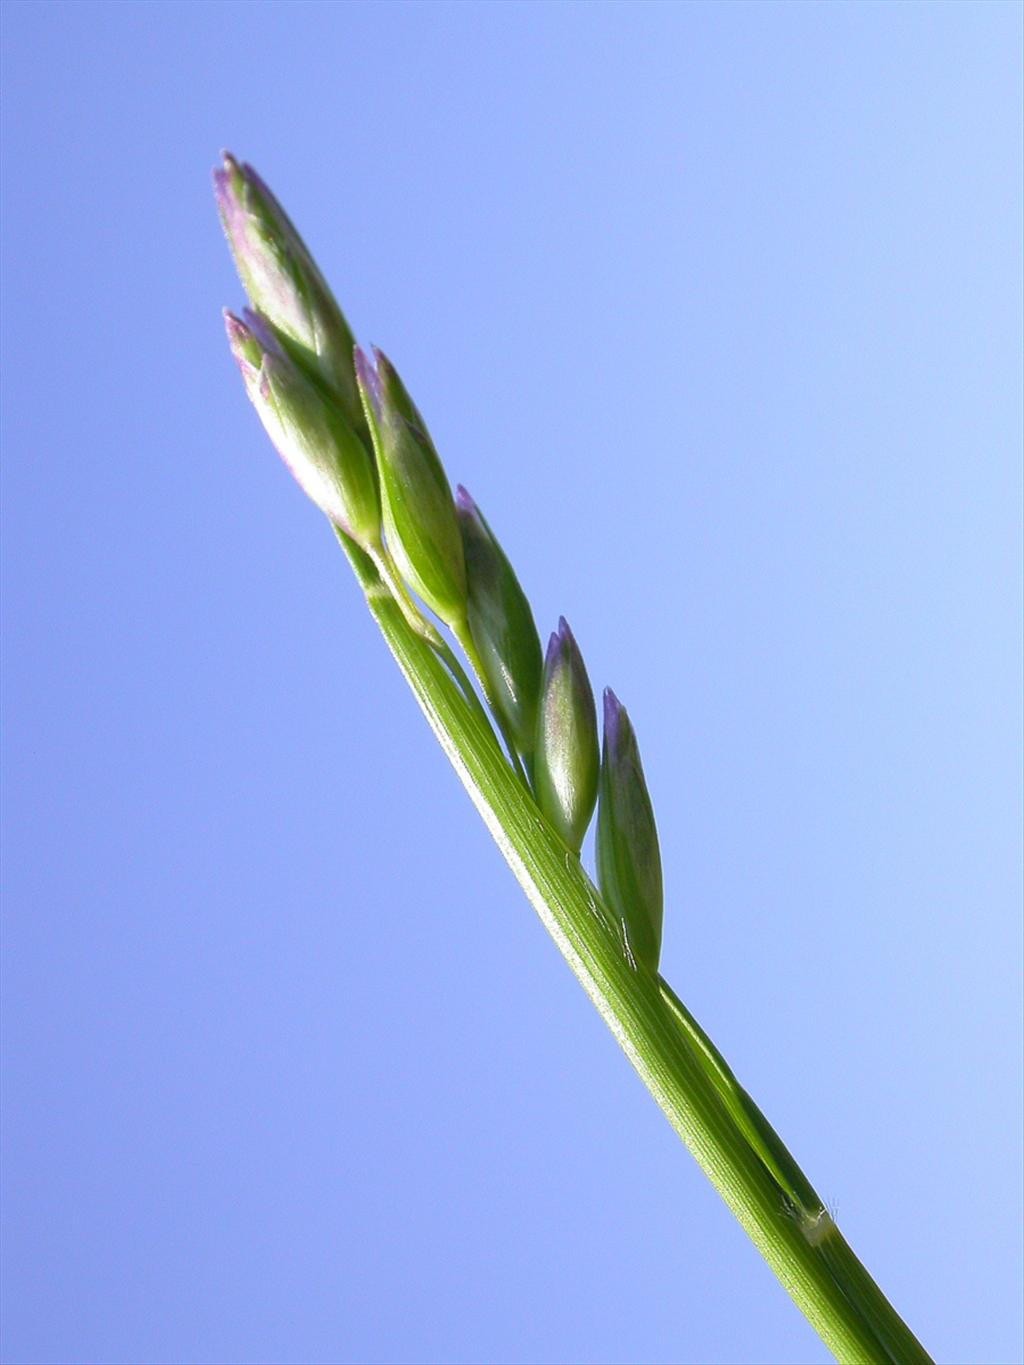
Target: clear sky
point(716, 311)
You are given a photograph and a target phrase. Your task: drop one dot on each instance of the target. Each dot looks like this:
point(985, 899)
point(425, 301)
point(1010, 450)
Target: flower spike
point(502, 626)
point(628, 856)
point(566, 758)
point(327, 458)
point(284, 283)
point(419, 515)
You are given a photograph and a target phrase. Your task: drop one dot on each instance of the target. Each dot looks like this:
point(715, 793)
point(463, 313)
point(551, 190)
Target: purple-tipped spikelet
point(502, 626)
point(419, 514)
point(327, 458)
point(368, 385)
point(284, 283)
point(628, 855)
point(566, 756)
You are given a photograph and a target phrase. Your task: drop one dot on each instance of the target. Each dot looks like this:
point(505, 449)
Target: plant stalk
point(730, 1138)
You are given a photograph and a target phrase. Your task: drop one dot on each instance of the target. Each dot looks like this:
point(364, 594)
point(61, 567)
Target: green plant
point(358, 445)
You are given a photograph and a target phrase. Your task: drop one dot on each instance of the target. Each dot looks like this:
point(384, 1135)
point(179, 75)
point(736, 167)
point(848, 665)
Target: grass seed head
point(419, 513)
point(566, 759)
point(329, 461)
point(284, 283)
point(628, 855)
point(502, 626)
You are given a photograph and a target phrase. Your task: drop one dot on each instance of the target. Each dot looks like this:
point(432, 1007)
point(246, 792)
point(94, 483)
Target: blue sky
point(716, 311)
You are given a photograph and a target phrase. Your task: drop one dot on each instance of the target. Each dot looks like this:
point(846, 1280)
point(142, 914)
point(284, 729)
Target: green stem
point(728, 1135)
